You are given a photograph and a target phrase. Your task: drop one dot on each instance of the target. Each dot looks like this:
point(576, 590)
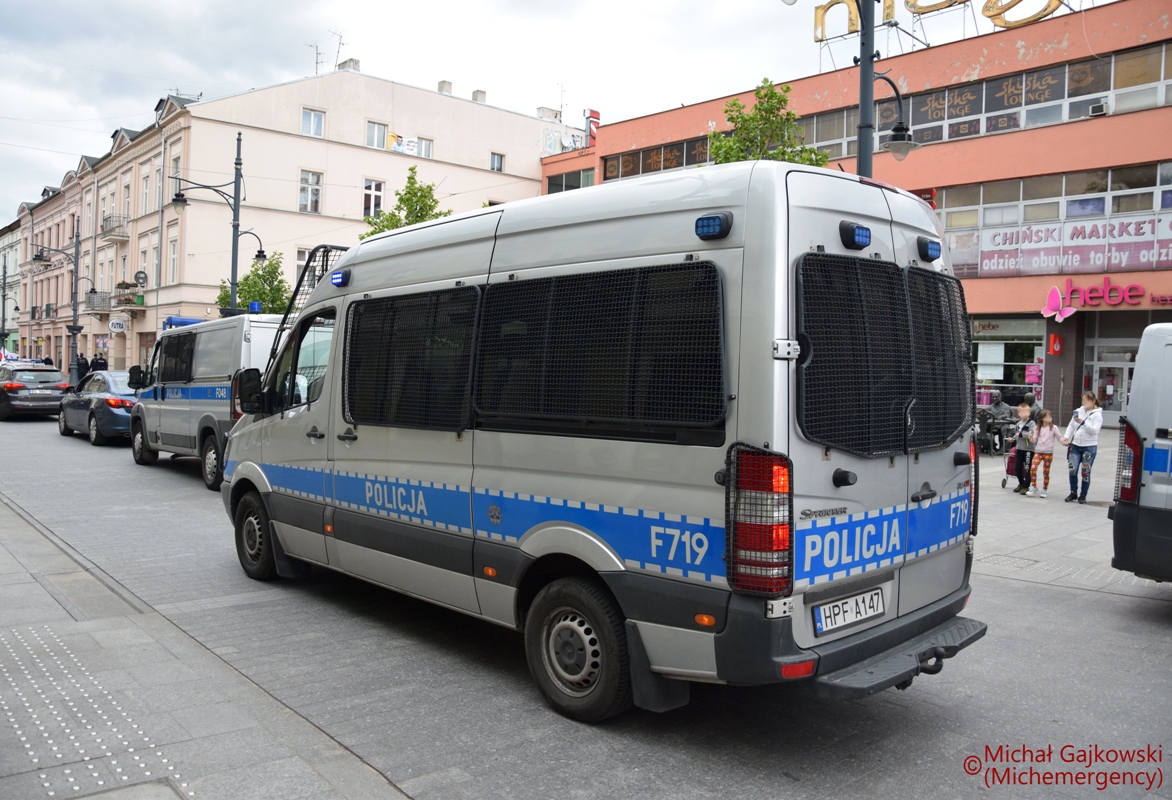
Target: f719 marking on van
point(958, 514)
point(696, 543)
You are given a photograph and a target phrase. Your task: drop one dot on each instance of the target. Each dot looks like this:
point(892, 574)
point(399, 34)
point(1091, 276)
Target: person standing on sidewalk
point(1043, 439)
point(1082, 436)
point(1021, 434)
point(83, 366)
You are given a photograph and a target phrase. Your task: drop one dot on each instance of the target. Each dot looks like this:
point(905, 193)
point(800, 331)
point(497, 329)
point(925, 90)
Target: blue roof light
point(340, 277)
point(929, 248)
point(714, 226)
point(854, 236)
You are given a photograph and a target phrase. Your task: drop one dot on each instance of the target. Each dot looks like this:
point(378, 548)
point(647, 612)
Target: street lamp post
point(4, 305)
point(179, 201)
point(74, 329)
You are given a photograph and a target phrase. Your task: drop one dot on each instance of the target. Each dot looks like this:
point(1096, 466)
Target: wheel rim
point(571, 652)
point(252, 537)
point(209, 464)
point(138, 442)
point(61, 422)
point(93, 429)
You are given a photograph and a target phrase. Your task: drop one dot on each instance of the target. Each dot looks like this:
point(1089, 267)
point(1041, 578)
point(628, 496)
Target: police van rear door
point(849, 395)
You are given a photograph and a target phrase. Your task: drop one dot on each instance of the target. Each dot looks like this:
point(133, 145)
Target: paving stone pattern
point(442, 704)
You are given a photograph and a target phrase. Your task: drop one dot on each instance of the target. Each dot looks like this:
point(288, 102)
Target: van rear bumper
point(1143, 540)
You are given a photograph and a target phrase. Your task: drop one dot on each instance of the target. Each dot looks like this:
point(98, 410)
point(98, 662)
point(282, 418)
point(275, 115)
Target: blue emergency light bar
point(929, 248)
point(854, 236)
point(714, 226)
point(340, 277)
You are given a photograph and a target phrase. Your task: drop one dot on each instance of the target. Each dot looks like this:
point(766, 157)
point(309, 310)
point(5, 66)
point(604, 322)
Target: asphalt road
point(443, 705)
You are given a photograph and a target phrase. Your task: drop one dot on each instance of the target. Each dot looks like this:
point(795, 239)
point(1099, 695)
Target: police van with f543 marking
point(709, 426)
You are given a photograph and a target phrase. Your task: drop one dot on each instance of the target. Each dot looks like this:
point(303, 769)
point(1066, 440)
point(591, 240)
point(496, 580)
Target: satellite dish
point(789, 2)
point(567, 140)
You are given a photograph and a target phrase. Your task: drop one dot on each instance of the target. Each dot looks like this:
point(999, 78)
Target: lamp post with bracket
point(74, 328)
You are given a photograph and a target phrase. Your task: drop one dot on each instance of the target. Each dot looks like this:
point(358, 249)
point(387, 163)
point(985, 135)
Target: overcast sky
point(73, 72)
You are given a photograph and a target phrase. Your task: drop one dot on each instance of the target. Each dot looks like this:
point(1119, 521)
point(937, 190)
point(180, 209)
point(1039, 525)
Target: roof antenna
point(338, 57)
point(316, 57)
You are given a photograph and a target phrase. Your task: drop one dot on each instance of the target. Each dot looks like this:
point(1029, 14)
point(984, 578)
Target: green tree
point(768, 131)
point(415, 202)
point(265, 282)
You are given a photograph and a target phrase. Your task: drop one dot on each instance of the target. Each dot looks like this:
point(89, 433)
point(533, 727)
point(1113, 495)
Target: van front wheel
point(213, 472)
point(254, 545)
point(143, 454)
point(576, 646)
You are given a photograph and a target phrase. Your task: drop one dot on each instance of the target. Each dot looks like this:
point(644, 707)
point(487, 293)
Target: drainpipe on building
point(162, 205)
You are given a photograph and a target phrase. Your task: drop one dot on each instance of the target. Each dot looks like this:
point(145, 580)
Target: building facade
point(319, 155)
point(1046, 150)
point(9, 285)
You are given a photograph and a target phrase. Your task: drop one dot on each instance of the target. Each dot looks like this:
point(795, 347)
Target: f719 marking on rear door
point(958, 514)
point(694, 544)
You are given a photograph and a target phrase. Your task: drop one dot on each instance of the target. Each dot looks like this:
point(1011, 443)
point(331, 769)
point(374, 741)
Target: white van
point(183, 395)
point(708, 426)
point(1142, 514)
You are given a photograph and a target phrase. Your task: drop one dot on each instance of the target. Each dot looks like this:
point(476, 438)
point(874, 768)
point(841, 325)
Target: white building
point(319, 154)
point(9, 284)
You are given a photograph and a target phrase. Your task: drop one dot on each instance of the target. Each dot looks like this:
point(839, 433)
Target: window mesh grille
point(408, 360)
point(634, 346)
point(881, 343)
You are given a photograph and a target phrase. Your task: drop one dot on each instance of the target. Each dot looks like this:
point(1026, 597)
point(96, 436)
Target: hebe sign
point(1111, 294)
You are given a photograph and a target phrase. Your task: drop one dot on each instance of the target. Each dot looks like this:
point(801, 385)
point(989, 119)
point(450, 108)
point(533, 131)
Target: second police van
point(710, 426)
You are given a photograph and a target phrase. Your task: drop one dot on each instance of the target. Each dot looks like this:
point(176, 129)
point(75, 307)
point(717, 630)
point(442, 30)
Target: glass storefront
point(1109, 367)
point(1008, 355)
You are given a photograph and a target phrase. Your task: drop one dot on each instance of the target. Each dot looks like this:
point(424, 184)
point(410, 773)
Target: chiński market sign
point(994, 10)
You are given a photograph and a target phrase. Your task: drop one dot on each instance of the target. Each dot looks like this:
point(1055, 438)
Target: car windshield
point(118, 382)
point(38, 376)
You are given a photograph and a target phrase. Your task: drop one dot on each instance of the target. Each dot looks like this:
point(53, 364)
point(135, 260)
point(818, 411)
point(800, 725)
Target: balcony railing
point(126, 294)
point(97, 301)
point(114, 228)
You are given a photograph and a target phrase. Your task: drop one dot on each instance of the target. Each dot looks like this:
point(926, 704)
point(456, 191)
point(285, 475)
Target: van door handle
point(348, 436)
point(920, 497)
point(314, 433)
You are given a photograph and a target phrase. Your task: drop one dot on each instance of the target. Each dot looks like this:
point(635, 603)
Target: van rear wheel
point(213, 471)
point(254, 545)
point(576, 646)
point(143, 454)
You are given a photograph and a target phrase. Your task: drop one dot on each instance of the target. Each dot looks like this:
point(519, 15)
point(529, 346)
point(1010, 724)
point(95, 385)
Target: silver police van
point(709, 426)
point(1142, 514)
point(183, 395)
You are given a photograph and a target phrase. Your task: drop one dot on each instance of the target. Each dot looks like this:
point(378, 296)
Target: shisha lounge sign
point(996, 11)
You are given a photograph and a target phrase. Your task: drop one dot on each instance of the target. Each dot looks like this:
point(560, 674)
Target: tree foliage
point(768, 131)
point(415, 202)
point(265, 281)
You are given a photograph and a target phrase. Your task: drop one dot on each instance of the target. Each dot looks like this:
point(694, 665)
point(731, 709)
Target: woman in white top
point(1082, 436)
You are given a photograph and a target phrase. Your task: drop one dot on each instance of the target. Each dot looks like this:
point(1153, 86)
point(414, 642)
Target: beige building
point(319, 154)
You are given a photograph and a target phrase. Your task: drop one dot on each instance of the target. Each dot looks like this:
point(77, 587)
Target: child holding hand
point(1042, 440)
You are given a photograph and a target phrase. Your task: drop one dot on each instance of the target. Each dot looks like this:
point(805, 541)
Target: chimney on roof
point(549, 113)
point(350, 63)
point(445, 87)
point(479, 96)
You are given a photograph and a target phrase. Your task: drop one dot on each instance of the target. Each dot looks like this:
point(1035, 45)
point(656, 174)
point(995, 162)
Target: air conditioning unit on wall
point(1099, 109)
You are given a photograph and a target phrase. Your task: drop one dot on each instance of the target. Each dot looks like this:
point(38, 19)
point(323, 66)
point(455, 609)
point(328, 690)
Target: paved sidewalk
point(99, 694)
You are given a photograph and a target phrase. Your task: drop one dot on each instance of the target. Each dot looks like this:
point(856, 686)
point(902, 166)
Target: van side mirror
point(249, 391)
point(134, 381)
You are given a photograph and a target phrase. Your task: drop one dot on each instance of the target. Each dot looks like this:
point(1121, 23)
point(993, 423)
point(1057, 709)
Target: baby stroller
point(1010, 460)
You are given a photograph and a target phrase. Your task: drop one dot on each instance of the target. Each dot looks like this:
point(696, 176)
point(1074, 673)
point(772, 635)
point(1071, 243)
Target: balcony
point(114, 229)
point(97, 301)
point(126, 294)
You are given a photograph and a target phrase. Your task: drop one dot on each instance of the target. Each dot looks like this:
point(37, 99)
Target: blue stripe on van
point(1156, 459)
point(669, 544)
point(839, 547)
point(207, 393)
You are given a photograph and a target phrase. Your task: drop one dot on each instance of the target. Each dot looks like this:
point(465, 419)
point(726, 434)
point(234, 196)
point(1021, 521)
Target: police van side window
point(408, 360)
point(631, 353)
point(312, 357)
point(177, 356)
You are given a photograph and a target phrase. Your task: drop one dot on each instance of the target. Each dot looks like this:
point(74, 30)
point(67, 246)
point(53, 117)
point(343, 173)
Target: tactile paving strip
point(997, 560)
point(75, 733)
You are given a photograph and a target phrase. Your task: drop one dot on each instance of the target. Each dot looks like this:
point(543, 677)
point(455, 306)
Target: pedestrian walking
point(1082, 436)
point(47, 361)
point(1035, 409)
point(1025, 456)
point(1043, 439)
point(83, 366)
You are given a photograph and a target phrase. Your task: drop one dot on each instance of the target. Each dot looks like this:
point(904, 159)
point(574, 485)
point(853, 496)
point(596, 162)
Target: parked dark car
point(100, 406)
point(30, 389)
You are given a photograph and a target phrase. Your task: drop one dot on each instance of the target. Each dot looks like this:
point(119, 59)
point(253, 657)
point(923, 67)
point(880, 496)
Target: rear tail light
point(118, 402)
point(758, 517)
point(234, 412)
point(13, 386)
point(974, 483)
point(63, 385)
point(1127, 472)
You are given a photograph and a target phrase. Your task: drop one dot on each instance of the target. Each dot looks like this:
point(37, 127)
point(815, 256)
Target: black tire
point(139, 447)
point(62, 428)
point(576, 646)
point(5, 410)
point(253, 544)
point(97, 438)
point(211, 470)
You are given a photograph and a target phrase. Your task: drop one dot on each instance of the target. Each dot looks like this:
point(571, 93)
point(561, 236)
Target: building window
point(173, 261)
point(175, 173)
point(496, 162)
point(101, 276)
point(146, 194)
point(142, 255)
point(313, 123)
point(310, 201)
point(376, 135)
point(302, 259)
point(372, 198)
point(579, 179)
point(425, 148)
point(124, 268)
point(126, 199)
point(655, 159)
